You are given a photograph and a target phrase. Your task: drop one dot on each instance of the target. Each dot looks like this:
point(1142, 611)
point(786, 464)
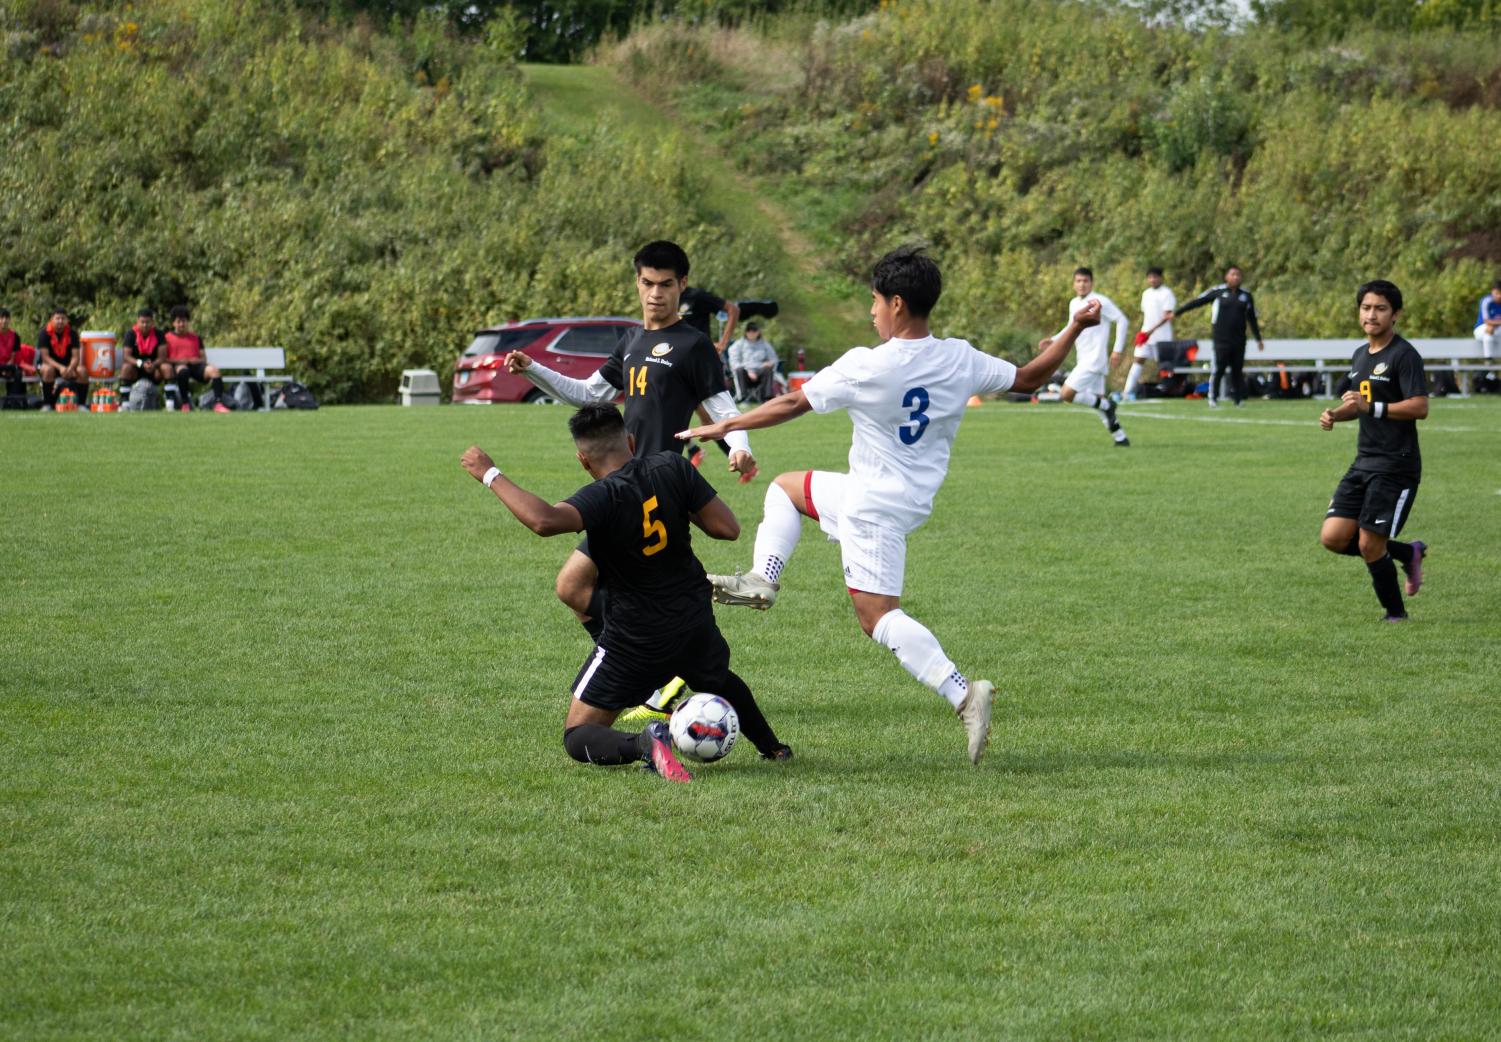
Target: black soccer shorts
point(617, 676)
point(1380, 502)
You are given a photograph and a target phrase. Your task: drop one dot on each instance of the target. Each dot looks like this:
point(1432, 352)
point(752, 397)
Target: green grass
point(821, 312)
point(280, 749)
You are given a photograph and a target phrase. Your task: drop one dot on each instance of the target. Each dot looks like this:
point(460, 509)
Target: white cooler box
point(419, 387)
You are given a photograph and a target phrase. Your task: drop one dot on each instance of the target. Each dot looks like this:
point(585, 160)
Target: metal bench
point(262, 365)
point(1462, 356)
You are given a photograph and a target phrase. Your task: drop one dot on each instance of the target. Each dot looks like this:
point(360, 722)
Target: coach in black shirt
point(1233, 310)
point(637, 514)
point(1389, 395)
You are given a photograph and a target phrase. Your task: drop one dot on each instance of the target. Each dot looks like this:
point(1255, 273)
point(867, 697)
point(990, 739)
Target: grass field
point(280, 752)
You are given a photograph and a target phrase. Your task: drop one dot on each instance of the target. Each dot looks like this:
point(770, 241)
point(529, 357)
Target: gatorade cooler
point(797, 379)
point(100, 358)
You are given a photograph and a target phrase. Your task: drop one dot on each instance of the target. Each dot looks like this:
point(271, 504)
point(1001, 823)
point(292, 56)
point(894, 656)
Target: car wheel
point(539, 397)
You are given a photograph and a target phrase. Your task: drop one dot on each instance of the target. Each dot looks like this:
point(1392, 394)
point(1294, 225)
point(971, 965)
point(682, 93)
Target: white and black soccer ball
point(704, 728)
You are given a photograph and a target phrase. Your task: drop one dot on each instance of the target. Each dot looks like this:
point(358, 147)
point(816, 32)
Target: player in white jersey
point(1086, 382)
point(1157, 304)
point(905, 398)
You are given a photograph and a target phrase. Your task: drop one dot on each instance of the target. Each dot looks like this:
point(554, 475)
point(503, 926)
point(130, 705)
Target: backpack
point(294, 396)
point(246, 397)
point(143, 395)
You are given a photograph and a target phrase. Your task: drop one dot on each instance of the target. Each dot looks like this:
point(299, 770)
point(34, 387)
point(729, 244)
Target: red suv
point(575, 347)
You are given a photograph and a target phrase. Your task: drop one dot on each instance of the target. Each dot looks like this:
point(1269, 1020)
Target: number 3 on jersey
point(915, 399)
point(651, 528)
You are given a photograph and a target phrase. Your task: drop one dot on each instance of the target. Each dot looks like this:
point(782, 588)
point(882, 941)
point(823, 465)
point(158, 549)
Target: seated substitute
point(661, 621)
point(1488, 318)
point(753, 360)
point(17, 360)
point(145, 352)
point(62, 359)
point(189, 363)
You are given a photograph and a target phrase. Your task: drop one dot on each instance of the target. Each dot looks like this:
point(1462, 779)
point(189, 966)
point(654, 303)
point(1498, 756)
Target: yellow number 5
point(651, 529)
point(1365, 389)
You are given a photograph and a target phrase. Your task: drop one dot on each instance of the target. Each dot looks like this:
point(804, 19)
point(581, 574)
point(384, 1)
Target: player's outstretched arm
point(1035, 373)
point(564, 388)
point(531, 510)
point(780, 409)
point(717, 520)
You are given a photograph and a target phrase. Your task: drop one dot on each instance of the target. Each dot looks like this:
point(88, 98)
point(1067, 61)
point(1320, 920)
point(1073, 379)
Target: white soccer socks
point(1133, 379)
point(921, 655)
point(777, 535)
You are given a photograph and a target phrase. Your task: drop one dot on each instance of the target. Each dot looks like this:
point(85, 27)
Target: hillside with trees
point(1021, 138)
point(367, 184)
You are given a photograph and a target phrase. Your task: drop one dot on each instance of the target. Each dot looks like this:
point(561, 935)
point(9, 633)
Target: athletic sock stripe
point(599, 656)
point(1397, 513)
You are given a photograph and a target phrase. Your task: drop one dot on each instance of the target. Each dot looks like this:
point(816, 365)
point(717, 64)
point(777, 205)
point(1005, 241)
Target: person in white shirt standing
point(1086, 383)
point(1157, 304)
point(905, 398)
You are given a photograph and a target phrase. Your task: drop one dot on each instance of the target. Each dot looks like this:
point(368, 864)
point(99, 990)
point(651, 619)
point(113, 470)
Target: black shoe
point(781, 752)
point(1394, 618)
point(1124, 443)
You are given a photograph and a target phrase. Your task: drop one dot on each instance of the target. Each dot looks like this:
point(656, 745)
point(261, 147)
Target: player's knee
point(1334, 541)
point(574, 743)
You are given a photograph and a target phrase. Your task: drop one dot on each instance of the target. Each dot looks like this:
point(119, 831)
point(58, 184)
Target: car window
point(590, 340)
point(505, 340)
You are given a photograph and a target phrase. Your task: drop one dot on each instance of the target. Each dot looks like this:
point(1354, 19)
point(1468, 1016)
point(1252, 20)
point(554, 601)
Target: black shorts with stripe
point(620, 677)
point(1380, 502)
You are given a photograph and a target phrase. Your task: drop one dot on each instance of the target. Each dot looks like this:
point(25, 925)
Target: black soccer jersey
point(1391, 375)
point(697, 307)
point(639, 538)
point(1233, 311)
point(664, 373)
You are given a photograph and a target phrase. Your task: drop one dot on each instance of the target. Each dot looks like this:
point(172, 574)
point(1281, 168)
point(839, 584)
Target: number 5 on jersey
point(651, 528)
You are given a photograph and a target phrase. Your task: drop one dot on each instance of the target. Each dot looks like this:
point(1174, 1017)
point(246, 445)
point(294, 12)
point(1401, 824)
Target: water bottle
point(802, 360)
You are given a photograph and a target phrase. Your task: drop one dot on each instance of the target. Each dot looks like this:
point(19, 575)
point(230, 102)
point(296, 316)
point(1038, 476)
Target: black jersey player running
point(1389, 395)
point(661, 621)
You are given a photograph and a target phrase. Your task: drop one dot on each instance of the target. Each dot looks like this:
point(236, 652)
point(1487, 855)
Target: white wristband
point(490, 476)
point(1379, 410)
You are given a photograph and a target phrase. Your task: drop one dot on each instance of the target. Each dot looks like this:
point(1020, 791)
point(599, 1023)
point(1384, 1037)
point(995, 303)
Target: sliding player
point(660, 622)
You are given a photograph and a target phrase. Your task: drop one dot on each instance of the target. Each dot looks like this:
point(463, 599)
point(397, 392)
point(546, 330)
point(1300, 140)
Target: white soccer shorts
point(874, 555)
point(1082, 381)
point(1147, 350)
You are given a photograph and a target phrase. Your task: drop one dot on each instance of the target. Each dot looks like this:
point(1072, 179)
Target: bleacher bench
point(1462, 356)
point(262, 365)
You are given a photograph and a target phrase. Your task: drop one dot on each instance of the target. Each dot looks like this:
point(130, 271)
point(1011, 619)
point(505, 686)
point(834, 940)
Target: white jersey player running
point(905, 398)
point(1086, 382)
point(1157, 306)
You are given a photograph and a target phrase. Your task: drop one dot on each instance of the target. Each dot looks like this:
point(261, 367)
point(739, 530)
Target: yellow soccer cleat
point(660, 705)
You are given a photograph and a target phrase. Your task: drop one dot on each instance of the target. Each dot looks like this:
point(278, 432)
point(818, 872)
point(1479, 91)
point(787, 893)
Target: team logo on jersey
point(661, 349)
point(1379, 369)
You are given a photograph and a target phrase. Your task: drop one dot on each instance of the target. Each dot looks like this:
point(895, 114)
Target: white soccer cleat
point(975, 712)
point(752, 591)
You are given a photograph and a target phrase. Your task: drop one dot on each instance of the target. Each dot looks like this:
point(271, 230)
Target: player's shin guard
point(1384, 579)
point(592, 743)
point(920, 654)
point(594, 625)
point(1401, 552)
point(777, 535)
point(753, 723)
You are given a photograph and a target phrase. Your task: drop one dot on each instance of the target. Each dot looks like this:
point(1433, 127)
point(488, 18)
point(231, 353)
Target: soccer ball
point(704, 728)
